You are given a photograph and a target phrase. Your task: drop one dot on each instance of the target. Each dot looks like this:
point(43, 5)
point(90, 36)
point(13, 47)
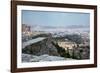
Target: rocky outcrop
point(42, 47)
point(42, 58)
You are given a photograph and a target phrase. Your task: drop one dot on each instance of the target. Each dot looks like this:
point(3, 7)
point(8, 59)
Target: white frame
point(55, 63)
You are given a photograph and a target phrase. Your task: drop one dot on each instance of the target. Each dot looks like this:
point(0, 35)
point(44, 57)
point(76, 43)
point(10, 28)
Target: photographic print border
point(45, 4)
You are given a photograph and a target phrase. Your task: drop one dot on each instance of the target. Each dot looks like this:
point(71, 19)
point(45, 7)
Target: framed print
point(52, 36)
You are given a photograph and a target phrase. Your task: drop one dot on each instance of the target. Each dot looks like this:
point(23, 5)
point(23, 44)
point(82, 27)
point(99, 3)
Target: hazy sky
point(44, 18)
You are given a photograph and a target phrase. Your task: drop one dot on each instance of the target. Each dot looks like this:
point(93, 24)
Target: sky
point(47, 18)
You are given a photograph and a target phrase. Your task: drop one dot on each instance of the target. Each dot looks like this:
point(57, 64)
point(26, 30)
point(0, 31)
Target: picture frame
point(17, 19)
